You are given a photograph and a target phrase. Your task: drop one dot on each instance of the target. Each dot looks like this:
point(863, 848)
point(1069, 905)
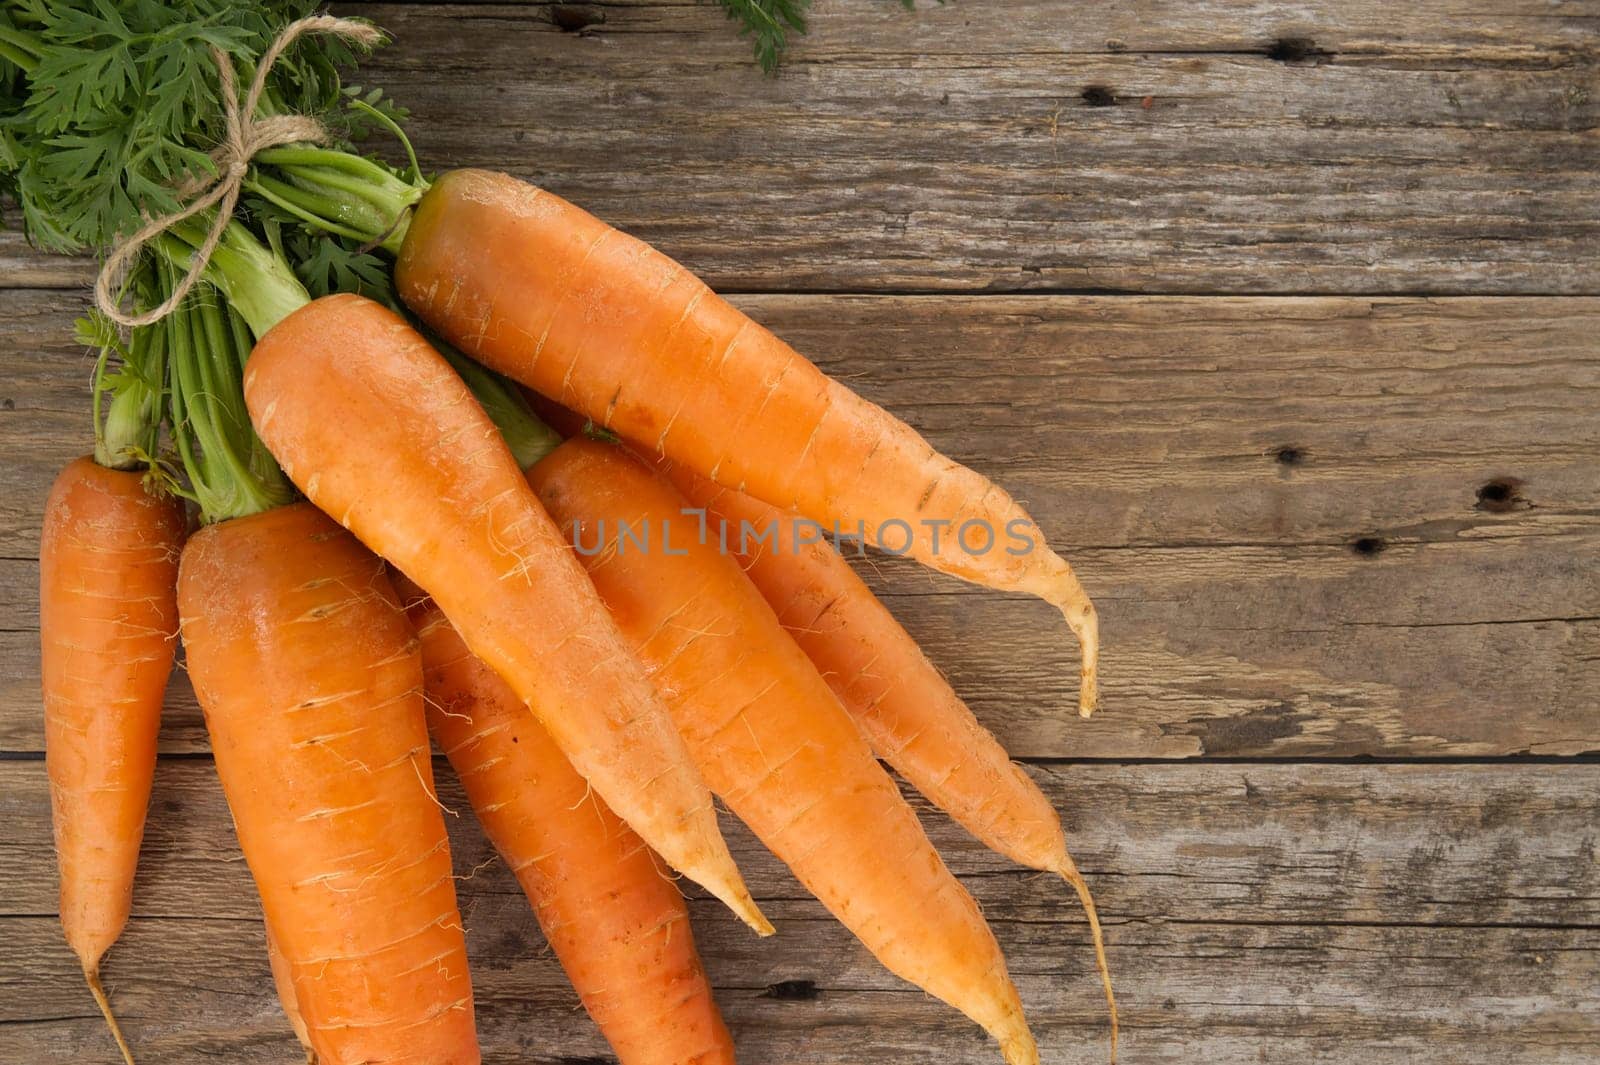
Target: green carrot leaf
point(768, 24)
point(108, 108)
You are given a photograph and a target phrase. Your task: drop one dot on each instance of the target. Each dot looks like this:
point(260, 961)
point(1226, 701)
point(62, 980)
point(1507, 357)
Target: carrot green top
point(249, 289)
point(231, 472)
point(126, 397)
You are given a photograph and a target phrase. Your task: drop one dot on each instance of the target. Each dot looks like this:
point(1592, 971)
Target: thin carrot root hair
point(91, 976)
point(1069, 873)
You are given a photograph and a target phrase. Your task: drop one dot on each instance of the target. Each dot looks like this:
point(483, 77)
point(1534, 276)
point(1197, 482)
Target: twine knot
point(244, 136)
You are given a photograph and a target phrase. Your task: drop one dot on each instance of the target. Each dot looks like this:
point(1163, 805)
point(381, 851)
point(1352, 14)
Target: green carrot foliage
point(108, 108)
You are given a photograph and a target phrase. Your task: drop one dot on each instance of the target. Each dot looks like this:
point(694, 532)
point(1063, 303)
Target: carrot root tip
point(1069, 873)
point(91, 976)
point(1063, 591)
point(737, 898)
point(1085, 624)
point(1088, 692)
point(1017, 1046)
point(758, 921)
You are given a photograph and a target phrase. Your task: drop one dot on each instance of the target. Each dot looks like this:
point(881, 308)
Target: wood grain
point(1315, 526)
point(1152, 147)
point(1447, 912)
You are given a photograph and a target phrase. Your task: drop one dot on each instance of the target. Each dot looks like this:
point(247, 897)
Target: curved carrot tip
point(1085, 624)
point(91, 975)
point(1070, 874)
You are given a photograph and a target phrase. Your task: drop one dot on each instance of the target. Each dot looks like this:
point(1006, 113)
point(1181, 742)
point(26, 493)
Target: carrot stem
point(257, 281)
point(91, 975)
point(283, 195)
point(342, 192)
point(232, 472)
point(529, 438)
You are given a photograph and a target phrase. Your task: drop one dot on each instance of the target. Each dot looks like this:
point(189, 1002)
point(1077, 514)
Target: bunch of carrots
point(393, 551)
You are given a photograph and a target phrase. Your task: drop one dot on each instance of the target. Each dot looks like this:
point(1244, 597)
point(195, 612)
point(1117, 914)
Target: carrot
point(378, 431)
point(283, 980)
point(901, 702)
point(619, 927)
point(551, 296)
point(108, 564)
point(311, 683)
point(772, 739)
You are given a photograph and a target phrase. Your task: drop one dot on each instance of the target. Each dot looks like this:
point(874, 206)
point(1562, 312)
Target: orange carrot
point(108, 618)
point(603, 323)
point(619, 927)
point(311, 683)
point(283, 980)
point(772, 739)
point(378, 431)
point(901, 702)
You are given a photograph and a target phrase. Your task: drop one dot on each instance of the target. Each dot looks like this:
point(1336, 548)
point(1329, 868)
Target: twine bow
point(244, 136)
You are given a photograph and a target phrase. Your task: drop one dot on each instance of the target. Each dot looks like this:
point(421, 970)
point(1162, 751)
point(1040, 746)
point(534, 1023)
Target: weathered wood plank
point(1509, 28)
point(1296, 912)
point(1126, 421)
point(1222, 652)
point(1209, 463)
point(1331, 147)
point(1457, 845)
point(198, 991)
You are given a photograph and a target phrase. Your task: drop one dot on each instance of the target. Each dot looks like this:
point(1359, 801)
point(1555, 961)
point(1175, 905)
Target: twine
point(245, 136)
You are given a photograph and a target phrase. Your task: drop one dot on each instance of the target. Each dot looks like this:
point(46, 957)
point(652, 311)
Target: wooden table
point(1280, 317)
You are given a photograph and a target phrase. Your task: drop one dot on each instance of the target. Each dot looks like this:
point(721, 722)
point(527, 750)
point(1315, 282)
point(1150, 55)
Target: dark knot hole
point(1368, 546)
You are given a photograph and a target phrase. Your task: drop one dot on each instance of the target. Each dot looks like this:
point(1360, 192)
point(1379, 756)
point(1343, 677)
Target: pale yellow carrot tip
point(1088, 690)
point(760, 923)
point(744, 907)
point(91, 975)
point(1085, 624)
point(1070, 874)
point(1018, 1048)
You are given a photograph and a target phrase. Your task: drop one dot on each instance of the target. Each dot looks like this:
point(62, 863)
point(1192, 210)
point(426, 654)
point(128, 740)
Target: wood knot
point(1296, 50)
point(1099, 96)
point(1368, 546)
point(1288, 455)
point(792, 991)
point(1502, 495)
point(574, 18)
